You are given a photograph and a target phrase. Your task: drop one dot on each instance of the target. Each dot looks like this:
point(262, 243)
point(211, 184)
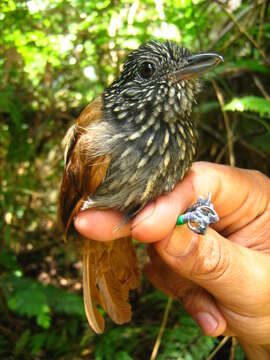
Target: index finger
point(239, 196)
point(101, 225)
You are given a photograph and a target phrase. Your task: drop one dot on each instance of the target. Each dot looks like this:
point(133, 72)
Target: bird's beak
point(197, 65)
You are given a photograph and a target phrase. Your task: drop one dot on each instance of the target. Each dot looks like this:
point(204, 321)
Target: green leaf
point(44, 320)
point(239, 354)
point(37, 342)
point(28, 297)
point(30, 301)
point(250, 103)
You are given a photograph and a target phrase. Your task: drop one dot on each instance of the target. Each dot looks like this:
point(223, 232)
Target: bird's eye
point(146, 70)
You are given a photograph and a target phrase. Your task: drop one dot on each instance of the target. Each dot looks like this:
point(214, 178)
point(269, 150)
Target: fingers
point(159, 222)
point(249, 327)
point(100, 225)
point(197, 302)
point(260, 230)
point(164, 278)
point(226, 270)
point(202, 308)
point(239, 197)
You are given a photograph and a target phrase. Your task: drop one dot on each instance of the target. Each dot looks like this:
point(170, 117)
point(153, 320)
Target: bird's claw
point(200, 215)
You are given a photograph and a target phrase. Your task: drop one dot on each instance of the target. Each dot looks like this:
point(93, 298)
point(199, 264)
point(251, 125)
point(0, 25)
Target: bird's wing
point(81, 177)
point(110, 269)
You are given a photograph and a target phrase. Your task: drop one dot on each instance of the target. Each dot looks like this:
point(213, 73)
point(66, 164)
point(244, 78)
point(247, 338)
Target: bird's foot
point(199, 215)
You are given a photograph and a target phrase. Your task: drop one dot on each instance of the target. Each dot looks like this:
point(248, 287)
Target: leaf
point(185, 341)
point(29, 298)
point(37, 342)
point(239, 354)
point(250, 103)
point(44, 320)
point(30, 301)
point(64, 302)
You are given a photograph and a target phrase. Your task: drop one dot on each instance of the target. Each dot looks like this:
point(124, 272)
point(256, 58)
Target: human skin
point(222, 278)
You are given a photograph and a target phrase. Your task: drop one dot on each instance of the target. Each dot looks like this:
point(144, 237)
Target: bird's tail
point(110, 271)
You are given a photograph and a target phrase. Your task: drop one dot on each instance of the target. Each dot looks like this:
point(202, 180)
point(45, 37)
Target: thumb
point(223, 268)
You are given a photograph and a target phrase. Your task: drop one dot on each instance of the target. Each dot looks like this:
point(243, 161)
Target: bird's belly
point(136, 177)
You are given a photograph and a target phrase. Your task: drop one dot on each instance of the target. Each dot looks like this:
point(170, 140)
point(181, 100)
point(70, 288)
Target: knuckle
point(190, 299)
point(261, 178)
point(257, 173)
point(212, 260)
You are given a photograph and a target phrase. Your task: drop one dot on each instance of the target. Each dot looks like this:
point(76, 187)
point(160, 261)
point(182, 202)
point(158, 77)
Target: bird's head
point(158, 81)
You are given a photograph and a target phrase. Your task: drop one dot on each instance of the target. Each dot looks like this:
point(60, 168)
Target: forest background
point(55, 57)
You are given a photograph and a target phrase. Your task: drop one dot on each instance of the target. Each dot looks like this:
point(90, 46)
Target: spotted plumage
point(147, 112)
point(129, 146)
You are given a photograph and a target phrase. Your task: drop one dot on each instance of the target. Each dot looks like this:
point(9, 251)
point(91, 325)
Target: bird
point(130, 145)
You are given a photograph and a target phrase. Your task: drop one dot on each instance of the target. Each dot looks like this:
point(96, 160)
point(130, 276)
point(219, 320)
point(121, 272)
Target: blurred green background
point(55, 57)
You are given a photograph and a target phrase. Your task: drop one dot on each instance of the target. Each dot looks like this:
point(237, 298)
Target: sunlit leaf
point(250, 103)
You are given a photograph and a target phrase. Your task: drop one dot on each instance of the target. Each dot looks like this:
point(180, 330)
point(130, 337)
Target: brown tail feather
point(94, 317)
point(108, 280)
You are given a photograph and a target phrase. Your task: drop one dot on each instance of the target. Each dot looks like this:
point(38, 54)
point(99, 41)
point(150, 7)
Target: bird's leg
point(199, 215)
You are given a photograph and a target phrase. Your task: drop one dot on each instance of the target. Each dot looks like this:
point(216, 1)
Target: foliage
point(183, 338)
point(31, 298)
point(55, 57)
point(250, 103)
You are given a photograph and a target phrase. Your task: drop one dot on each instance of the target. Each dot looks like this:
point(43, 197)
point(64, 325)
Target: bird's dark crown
point(147, 84)
point(164, 58)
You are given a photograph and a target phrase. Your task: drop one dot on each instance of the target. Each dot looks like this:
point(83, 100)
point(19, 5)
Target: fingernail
point(206, 322)
point(78, 221)
point(143, 215)
point(181, 242)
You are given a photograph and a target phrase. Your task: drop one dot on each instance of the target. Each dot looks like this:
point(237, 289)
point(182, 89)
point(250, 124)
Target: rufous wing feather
point(110, 269)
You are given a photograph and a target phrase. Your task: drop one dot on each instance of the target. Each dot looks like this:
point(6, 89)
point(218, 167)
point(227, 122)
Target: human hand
point(225, 285)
